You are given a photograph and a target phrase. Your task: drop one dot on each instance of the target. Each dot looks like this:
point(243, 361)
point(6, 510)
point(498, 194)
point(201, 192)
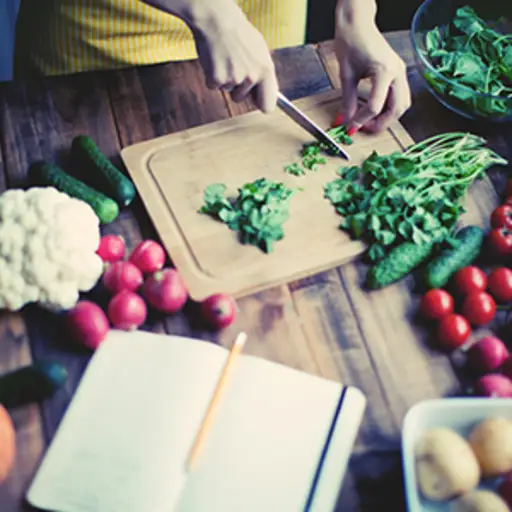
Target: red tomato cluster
point(135, 283)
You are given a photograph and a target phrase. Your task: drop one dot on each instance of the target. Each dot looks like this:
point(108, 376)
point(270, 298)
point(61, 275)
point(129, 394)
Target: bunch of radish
point(136, 282)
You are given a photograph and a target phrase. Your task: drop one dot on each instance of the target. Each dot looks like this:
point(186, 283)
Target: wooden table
point(325, 325)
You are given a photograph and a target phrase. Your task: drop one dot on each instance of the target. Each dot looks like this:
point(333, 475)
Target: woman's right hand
point(235, 56)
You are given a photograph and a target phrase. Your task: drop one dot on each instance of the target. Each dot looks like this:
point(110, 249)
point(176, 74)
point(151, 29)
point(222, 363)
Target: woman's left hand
point(363, 52)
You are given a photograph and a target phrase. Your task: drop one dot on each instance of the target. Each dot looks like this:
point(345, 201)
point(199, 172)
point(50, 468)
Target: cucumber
point(468, 244)
point(44, 173)
point(399, 262)
point(33, 383)
point(104, 175)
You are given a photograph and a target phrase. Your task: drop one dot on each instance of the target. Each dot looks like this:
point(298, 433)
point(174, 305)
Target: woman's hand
point(364, 53)
point(236, 58)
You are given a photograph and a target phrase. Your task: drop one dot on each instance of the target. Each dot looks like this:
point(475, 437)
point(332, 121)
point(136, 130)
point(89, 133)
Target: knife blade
point(307, 124)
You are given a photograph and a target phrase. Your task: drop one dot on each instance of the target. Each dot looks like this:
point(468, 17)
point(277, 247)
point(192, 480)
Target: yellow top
point(67, 36)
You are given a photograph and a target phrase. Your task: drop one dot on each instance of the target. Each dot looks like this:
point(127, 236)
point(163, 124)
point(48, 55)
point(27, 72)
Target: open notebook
point(280, 439)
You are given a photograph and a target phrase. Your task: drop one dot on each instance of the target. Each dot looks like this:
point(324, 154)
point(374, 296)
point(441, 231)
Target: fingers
point(381, 83)
point(349, 92)
point(398, 102)
point(266, 93)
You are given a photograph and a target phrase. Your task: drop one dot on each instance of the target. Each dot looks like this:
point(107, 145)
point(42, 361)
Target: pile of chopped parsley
point(311, 154)
point(257, 213)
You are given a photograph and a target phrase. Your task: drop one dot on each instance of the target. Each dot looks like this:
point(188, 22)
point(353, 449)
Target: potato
point(491, 440)
point(446, 465)
point(479, 501)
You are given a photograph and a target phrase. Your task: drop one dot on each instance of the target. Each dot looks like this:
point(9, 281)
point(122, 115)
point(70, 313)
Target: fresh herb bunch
point(412, 196)
point(257, 213)
point(472, 53)
point(311, 153)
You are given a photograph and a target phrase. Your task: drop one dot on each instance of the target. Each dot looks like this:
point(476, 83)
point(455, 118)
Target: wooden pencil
point(215, 400)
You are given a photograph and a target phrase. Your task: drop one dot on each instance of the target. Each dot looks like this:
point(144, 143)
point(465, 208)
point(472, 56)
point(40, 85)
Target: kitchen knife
point(301, 119)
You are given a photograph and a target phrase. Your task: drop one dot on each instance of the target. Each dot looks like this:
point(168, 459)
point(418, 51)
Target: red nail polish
point(351, 131)
point(338, 120)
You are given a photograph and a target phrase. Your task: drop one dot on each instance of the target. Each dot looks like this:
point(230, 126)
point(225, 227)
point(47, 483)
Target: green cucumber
point(33, 383)
point(399, 262)
point(468, 244)
point(44, 173)
point(104, 175)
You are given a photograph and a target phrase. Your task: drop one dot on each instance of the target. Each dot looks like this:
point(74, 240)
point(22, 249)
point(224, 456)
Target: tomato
point(500, 284)
point(112, 248)
point(219, 310)
point(479, 308)
point(469, 279)
point(501, 217)
point(436, 304)
point(127, 310)
point(452, 332)
point(165, 290)
point(149, 256)
point(499, 241)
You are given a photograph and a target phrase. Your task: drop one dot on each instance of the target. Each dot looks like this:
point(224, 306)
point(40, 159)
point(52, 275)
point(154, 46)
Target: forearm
point(355, 12)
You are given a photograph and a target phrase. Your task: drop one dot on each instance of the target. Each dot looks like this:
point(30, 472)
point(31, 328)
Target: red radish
point(88, 324)
point(219, 310)
point(127, 310)
point(149, 256)
point(487, 354)
point(505, 489)
point(506, 368)
point(494, 385)
point(112, 248)
point(165, 290)
point(122, 275)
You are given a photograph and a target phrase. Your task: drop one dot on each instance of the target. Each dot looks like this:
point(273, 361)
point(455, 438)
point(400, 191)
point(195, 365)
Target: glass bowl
point(466, 67)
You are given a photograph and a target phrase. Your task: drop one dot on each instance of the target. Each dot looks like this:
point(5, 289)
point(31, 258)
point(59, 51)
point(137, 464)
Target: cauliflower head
point(48, 243)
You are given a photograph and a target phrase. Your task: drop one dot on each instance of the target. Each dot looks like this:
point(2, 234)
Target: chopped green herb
point(415, 196)
point(257, 213)
point(471, 52)
point(294, 169)
point(311, 153)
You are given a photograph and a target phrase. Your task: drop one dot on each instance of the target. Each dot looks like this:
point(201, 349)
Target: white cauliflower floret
point(48, 243)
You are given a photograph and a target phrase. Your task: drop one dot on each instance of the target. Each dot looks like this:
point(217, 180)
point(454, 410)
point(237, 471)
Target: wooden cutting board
point(172, 171)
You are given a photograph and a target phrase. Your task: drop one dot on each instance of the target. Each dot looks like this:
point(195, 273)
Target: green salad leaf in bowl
point(464, 53)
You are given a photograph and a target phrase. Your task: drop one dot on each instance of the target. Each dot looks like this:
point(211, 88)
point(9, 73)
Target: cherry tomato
point(500, 284)
point(470, 279)
point(452, 332)
point(499, 241)
point(479, 308)
point(436, 304)
point(501, 217)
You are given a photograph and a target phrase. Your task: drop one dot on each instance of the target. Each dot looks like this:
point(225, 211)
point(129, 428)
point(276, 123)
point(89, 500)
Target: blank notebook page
point(265, 444)
point(123, 444)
